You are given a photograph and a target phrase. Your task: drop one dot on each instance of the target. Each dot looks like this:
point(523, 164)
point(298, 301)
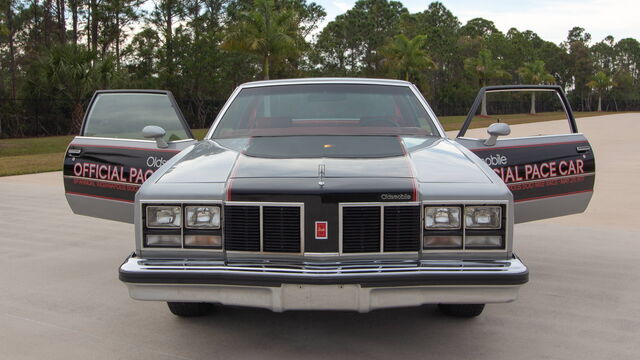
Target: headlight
point(163, 217)
point(442, 217)
point(483, 217)
point(203, 217)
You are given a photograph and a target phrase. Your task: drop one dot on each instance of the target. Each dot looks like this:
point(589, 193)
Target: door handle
point(582, 149)
point(75, 151)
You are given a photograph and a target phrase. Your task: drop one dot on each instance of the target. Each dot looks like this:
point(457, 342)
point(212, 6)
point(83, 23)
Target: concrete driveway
point(60, 297)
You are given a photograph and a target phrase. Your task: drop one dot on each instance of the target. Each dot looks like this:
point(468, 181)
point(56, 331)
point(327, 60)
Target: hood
point(424, 159)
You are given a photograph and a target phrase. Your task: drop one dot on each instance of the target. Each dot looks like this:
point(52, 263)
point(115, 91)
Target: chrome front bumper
point(359, 286)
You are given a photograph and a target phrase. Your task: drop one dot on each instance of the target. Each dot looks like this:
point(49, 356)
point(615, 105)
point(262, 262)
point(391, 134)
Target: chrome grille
point(401, 228)
point(263, 228)
point(380, 228)
point(242, 228)
point(281, 229)
point(361, 229)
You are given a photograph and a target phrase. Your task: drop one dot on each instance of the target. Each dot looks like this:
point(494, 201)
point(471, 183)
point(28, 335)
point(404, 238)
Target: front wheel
point(461, 310)
point(186, 309)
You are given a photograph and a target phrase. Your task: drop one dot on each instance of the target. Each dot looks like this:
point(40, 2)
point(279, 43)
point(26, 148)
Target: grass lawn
point(33, 155)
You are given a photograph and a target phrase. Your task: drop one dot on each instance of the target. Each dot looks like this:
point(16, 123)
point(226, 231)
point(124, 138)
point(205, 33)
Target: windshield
point(325, 109)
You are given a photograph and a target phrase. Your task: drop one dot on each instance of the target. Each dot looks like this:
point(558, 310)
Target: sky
point(550, 19)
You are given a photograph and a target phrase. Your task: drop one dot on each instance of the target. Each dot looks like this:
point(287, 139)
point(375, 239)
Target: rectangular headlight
point(483, 217)
point(203, 217)
point(442, 217)
point(164, 217)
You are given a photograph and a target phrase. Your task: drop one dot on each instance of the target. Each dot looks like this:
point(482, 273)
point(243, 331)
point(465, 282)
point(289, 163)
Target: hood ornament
point(321, 175)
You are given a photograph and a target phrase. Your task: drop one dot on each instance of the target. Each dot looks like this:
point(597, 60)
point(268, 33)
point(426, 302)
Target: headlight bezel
point(502, 231)
point(183, 231)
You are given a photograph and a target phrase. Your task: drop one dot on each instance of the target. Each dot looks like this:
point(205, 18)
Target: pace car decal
point(114, 173)
point(542, 170)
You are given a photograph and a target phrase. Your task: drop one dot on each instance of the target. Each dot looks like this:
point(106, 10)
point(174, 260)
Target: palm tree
point(266, 32)
point(487, 69)
point(601, 83)
point(407, 55)
point(68, 74)
point(535, 74)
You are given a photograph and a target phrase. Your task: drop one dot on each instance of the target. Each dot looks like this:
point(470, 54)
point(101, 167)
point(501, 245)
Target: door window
point(514, 107)
point(123, 115)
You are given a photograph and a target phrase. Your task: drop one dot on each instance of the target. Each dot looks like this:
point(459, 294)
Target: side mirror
point(495, 130)
point(157, 133)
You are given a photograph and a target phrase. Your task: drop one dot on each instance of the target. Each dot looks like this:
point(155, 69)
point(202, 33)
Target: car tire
point(461, 310)
point(187, 309)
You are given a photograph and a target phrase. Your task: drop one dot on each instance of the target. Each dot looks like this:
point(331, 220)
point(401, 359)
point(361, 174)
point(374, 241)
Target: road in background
point(60, 297)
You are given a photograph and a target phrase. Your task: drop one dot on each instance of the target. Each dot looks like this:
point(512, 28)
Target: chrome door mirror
point(157, 133)
point(495, 130)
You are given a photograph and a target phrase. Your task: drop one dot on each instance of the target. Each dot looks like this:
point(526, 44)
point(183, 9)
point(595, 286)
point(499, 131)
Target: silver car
point(321, 194)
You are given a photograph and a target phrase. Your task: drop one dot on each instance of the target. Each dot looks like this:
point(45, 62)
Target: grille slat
point(280, 228)
point(401, 228)
point(242, 228)
point(361, 229)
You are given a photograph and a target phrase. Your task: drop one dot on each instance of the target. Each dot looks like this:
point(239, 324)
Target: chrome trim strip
point(370, 267)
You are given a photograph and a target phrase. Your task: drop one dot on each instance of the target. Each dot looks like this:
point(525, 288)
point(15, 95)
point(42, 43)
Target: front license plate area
point(321, 297)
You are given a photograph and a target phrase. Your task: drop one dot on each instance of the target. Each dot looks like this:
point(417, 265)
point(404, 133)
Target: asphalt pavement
point(60, 297)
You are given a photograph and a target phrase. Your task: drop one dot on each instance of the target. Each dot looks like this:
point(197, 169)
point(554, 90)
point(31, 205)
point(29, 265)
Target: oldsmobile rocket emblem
point(321, 175)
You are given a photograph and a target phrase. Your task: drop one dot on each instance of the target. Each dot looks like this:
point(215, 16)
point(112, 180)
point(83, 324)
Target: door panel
point(549, 176)
point(103, 174)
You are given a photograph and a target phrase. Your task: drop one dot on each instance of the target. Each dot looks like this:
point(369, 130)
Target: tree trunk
point(265, 69)
point(94, 25)
point(62, 28)
point(533, 104)
point(74, 18)
point(483, 112)
point(12, 50)
point(169, 39)
point(599, 103)
point(76, 118)
point(117, 35)
point(47, 22)
point(36, 24)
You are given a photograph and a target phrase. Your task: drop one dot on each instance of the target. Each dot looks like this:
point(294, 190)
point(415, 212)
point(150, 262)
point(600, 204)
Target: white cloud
point(550, 19)
point(343, 6)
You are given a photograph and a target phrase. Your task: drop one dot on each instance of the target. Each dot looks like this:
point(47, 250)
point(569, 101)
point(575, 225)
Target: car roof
point(326, 80)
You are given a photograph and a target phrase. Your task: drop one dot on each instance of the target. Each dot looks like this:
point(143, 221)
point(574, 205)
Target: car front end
point(285, 214)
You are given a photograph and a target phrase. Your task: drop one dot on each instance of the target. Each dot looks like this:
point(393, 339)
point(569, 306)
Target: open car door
point(105, 166)
point(549, 167)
